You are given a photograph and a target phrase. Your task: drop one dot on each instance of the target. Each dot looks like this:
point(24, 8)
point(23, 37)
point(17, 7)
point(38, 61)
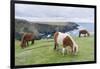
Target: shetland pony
point(26, 38)
point(65, 40)
point(83, 31)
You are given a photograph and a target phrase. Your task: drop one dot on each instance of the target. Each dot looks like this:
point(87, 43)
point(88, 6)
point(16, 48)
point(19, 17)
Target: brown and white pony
point(26, 38)
point(84, 32)
point(65, 40)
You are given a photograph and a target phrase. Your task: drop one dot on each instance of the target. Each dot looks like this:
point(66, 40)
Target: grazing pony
point(65, 40)
point(26, 38)
point(84, 31)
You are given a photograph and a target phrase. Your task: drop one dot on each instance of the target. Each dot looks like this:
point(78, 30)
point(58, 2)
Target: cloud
point(44, 12)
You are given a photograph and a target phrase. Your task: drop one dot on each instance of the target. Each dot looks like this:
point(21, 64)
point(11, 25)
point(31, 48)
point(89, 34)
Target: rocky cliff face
point(43, 27)
point(26, 26)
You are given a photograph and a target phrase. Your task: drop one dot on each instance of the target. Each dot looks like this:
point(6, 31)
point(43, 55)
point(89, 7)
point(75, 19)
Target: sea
point(87, 26)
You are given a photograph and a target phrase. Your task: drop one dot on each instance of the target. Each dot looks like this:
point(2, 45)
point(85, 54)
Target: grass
point(42, 52)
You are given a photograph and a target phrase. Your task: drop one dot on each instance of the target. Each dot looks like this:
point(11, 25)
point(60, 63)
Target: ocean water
point(87, 26)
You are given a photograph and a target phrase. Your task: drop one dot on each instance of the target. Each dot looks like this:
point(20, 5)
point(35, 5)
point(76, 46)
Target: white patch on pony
point(60, 38)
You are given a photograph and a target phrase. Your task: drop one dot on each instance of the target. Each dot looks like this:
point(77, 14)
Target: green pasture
point(42, 52)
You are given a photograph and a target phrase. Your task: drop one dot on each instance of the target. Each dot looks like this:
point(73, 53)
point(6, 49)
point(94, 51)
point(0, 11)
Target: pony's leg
point(88, 34)
point(55, 44)
point(32, 41)
point(27, 43)
point(84, 35)
point(63, 51)
point(79, 34)
point(57, 47)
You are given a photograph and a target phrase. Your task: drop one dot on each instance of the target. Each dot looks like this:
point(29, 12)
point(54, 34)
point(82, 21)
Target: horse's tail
point(75, 46)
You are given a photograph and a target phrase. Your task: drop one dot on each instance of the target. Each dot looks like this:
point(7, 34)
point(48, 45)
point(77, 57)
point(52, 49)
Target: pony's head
point(23, 42)
point(74, 44)
point(75, 49)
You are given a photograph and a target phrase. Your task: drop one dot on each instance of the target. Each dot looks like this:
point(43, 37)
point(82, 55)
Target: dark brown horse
point(26, 38)
point(84, 32)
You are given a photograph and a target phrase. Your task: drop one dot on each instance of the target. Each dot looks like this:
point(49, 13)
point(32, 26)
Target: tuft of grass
point(42, 52)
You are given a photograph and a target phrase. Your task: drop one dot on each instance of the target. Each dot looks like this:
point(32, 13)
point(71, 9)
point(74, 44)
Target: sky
point(54, 13)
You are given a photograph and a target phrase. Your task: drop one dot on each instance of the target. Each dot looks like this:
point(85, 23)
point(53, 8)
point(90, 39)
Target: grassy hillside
point(42, 52)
